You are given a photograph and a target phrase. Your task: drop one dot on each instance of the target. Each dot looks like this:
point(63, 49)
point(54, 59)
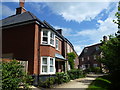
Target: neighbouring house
point(27, 38)
point(89, 55)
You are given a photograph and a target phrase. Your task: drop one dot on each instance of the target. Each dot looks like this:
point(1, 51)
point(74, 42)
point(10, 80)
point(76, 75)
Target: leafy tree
point(71, 56)
point(13, 76)
point(111, 48)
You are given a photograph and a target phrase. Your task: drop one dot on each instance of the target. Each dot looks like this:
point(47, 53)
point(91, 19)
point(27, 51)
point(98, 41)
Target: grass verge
point(101, 83)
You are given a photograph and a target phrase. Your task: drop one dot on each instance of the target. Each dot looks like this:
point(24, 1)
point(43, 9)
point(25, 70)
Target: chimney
point(104, 38)
point(59, 31)
point(20, 9)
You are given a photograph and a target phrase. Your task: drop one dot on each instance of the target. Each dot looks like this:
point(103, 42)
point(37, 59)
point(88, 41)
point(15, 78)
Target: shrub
point(48, 83)
point(59, 79)
point(62, 77)
point(75, 73)
point(13, 76)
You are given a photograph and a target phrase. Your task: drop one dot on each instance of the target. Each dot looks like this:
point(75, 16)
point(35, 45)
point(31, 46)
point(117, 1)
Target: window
point(88, 58)
point(57, 44)
point(44, 65)
point(82, 59)
point(48, 65)
point(94, 57)
point(51, 65)
point(94, 65)
point(45, 37)
point(52, 38)
point(48, 37)
point(97, 48)
point(85, 50)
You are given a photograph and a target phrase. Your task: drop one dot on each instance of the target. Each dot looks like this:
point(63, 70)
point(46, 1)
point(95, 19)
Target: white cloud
point(106, 27)
point(79, 48)
point(6, 11)
point(83, 11)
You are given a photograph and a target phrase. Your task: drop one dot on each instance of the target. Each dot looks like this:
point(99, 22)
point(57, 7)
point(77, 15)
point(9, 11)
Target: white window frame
point(88, 58)
point(52, 38)
point(57, 44)
point(95, 57)
point(82, 58)
point(49, 38)
point(48, 65)
point(45, 36)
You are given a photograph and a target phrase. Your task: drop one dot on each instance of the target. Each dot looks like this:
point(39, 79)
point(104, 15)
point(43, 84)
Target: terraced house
point(27, 38)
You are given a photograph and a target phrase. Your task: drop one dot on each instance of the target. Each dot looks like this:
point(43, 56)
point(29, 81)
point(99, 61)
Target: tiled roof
point(27, 17)
point(19, 18)
point(91, 50)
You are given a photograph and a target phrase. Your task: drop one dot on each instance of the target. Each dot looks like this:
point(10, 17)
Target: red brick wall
point(20, 42)
point(47, 50)
point(36, 49)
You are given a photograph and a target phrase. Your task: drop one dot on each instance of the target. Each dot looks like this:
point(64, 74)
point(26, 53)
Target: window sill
point(47, 74)
point(47, 45)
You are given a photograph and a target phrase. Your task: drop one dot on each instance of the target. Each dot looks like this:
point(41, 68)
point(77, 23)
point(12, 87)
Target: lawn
point(101, 83)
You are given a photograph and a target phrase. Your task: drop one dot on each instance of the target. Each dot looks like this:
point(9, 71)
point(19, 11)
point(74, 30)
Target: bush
point(13, 76)
point(59, 79)
point(75, 73)
point(62, 77)
point(48, 83)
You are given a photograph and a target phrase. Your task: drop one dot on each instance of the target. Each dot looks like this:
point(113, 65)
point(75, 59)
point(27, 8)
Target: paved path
point(80, 83)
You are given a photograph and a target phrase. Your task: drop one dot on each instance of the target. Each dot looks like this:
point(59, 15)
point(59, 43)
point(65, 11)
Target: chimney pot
point(21, 3)
point(20, 9)
point(105, 38)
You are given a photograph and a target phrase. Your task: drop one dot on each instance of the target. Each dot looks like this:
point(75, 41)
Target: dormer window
point(97, 48)
point(85, 50)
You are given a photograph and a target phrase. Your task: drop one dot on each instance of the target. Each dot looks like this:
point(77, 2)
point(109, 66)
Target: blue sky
point(83, 23)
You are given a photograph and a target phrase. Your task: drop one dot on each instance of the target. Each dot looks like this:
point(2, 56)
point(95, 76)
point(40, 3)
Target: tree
point(111, 48)
point(111, 54)
point(71, 56)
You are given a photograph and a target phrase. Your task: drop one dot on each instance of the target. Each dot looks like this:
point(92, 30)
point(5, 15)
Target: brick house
point(88, 57)
point(27, 38)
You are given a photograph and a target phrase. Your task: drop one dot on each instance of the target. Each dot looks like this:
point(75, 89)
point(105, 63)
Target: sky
point(83, 23)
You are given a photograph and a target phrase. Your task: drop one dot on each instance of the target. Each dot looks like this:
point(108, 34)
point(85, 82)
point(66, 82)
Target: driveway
point(81, 83)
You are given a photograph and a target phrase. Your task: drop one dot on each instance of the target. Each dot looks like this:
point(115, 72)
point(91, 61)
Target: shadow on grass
point(100, 83)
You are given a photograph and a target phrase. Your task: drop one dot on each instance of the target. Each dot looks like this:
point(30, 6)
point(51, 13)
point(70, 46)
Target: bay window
point(44, 65)
point(45, 37)
point(52, 38)
point(48, 37)
point(47, 65)
point(57, 44)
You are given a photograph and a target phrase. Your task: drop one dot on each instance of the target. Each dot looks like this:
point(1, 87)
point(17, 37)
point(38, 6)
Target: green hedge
point(61, 78)
point(75, 73)
point(93, 69)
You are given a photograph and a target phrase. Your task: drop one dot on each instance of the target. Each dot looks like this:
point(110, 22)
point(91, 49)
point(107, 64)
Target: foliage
point(58, 79)
point(13, 76)
point(111, 54)
point(101, 83)
point(71, 56)
point(94, 69)
point(62, 77)
point(48, 83)
point(75, 73)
